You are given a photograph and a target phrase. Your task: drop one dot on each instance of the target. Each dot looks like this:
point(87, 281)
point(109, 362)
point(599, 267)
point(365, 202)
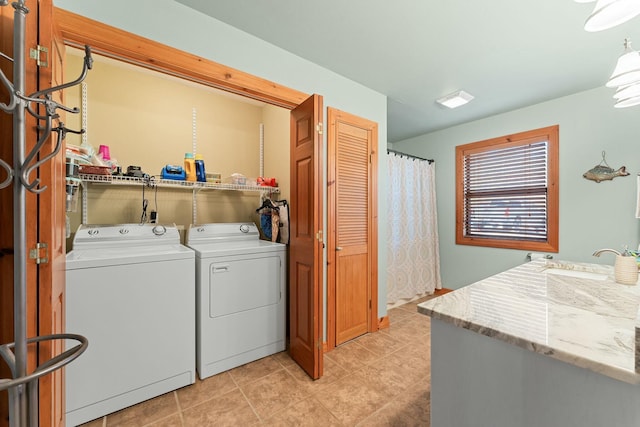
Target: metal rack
point(170, 183)
point(194, 186)
point(23, 386)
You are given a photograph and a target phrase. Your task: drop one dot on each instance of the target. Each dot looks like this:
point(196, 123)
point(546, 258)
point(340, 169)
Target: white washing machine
point(131, 292)
point(240, 296)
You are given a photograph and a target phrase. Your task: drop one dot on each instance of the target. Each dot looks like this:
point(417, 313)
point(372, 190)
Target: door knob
point(338, 248)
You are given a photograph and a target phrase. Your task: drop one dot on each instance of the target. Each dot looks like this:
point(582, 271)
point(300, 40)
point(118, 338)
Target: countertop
point(593, 324)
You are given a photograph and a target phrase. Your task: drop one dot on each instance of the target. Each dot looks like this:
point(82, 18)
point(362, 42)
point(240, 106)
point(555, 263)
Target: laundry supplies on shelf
point(201, 176)
point(173, 172)
point(190, 166)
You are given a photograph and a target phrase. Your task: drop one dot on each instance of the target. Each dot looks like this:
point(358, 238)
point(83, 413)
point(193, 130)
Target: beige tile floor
point(379, 379)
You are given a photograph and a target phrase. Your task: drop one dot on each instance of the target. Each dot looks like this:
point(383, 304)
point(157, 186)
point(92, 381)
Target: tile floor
point(379, 379)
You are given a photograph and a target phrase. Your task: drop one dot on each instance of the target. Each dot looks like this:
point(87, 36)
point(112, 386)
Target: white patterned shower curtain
point(412, 251)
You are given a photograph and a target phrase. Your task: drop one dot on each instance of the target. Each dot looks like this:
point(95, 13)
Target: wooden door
point(352, 222)
point(6, 201)
point(6, 214)
point(305, 251)
point(51, 230)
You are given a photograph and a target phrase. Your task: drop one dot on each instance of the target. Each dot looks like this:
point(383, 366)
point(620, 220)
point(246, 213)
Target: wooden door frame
point(333, 115)
point(6, 215)
point(115, 43)
point(77, 30)
point(51, 230)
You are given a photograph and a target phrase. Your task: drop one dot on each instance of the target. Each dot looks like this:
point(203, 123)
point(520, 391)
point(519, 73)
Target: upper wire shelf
point(170, 183)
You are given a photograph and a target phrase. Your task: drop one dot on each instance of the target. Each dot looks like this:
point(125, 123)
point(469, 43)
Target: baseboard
point(383, 323)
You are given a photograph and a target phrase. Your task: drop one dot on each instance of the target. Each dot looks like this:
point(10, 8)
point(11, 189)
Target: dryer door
point(243, 285)
point(246, 312)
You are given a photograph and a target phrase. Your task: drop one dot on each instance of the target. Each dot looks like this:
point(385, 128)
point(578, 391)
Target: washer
point(240, 296)
point(131, 292)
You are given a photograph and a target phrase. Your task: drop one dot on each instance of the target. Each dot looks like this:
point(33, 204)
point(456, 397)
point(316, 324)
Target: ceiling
point(507, 53)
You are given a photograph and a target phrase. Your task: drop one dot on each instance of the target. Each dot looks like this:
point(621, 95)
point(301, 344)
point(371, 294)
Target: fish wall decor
point(602, 171)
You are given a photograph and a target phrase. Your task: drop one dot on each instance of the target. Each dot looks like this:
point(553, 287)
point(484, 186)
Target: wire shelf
point(169, 183)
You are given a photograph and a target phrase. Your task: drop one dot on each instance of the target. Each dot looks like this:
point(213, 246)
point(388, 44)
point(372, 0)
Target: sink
point(580, 274)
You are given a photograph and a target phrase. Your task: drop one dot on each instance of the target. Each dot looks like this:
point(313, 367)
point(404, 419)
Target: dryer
point(131, 291)
point(240, 296)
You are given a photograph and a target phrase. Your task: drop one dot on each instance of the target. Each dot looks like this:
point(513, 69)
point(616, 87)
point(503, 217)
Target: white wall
point(592, 216)
point(178, 26)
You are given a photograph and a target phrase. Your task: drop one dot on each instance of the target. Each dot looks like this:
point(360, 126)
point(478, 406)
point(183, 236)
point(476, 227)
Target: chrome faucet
point(599, 251)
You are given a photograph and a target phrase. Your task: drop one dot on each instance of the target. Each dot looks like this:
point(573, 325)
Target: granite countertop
point(593, 324)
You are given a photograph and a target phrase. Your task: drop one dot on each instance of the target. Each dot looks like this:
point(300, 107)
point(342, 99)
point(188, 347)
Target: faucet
point(599, 251)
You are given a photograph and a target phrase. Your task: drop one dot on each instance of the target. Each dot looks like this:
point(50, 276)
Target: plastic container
point(214, 178)
point(201, 176)
point(626, 270)
point(104, 151)
point(236, 179)
point(190, 166)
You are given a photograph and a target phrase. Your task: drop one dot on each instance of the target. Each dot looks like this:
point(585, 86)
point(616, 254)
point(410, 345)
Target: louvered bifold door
point(352, 224)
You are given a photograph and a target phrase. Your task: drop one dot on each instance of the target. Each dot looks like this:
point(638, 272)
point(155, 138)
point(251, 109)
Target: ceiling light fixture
point(609, 13)
point(627, 69)
point(627, 102)
point(455, 99)
point(627, 92)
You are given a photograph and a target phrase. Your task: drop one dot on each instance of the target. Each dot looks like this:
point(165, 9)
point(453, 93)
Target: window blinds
point(505, 192)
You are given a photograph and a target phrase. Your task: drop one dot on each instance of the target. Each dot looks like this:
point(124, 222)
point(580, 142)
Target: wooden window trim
point(551, 133)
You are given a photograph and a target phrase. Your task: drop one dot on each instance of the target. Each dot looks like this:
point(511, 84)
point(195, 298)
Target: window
point(507, 191)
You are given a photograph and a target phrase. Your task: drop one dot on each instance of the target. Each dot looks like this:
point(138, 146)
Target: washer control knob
point(124, 231)
point(200, 229)
point(93, 231)
point(159, 230)
point(244, 228)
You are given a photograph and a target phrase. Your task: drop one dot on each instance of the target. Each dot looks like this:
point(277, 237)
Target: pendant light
point(627, 92)
point(627, 102)
point(609, 13)
point(627, 96)
point(627, 69)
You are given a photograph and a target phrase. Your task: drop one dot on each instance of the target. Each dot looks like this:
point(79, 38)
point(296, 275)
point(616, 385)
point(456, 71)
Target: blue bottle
point(201, 176)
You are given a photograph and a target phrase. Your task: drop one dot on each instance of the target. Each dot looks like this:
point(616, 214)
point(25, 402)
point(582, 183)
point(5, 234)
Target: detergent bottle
point(201, 176)
point(189, 166)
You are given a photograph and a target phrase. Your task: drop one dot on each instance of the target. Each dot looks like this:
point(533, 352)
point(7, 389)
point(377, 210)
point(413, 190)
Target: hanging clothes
point(283, 226)
point(275, 226)
point(274, 220)
point(266, 224)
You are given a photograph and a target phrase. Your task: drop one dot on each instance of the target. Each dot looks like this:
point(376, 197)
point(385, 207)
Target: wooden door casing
point(352, 281)
point(305, 252)
point(6, 201)
point(51, 230)
point(113, 42)
point(6, 215)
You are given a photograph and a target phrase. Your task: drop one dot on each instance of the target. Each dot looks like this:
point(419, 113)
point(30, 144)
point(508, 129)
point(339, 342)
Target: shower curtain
point(412, 251)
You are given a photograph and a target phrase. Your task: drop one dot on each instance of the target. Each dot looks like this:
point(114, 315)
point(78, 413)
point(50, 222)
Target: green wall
point(592, 216)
